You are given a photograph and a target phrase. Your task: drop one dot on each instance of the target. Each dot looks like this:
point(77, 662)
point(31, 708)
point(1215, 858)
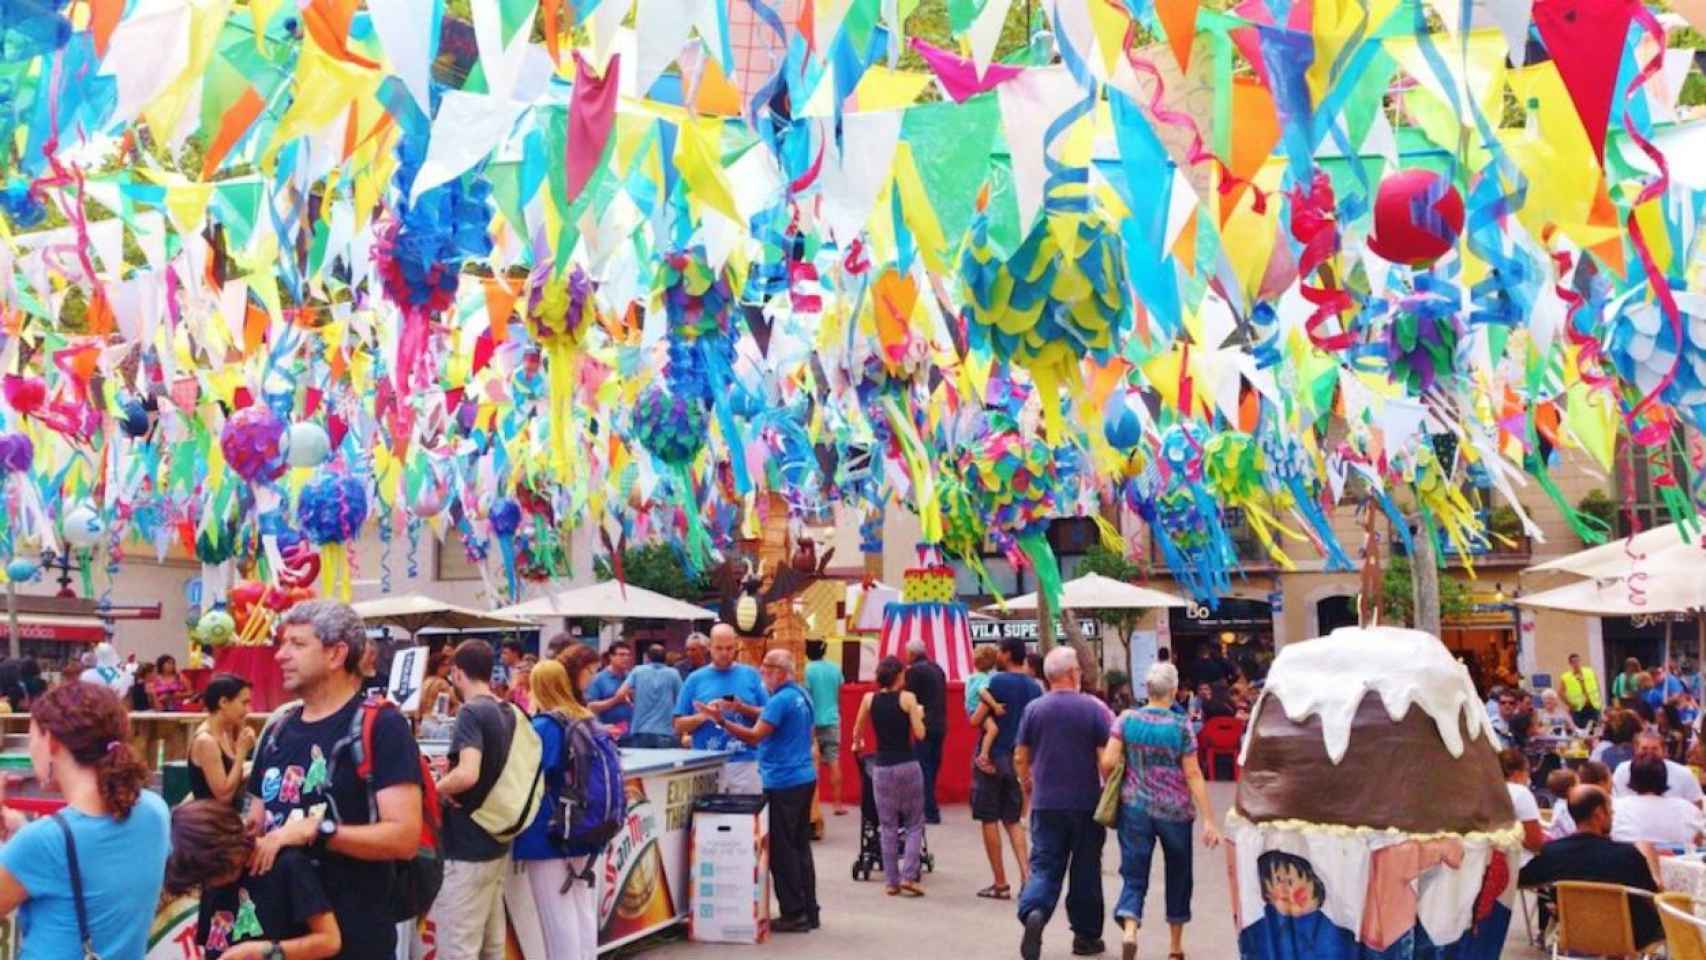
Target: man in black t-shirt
point(468, 914)
point(274, 906)
point(1591, 854)
point(929, 684)
point(310, 795)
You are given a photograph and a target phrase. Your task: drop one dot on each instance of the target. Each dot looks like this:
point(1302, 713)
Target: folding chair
point(1685, 933)
point(1594, 920)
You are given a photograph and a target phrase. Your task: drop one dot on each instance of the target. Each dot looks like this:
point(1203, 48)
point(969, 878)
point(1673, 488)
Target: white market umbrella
point(1093, 591)
point(608, 601)
point(415, 612)
point(1662, 547)
point(1678, 590)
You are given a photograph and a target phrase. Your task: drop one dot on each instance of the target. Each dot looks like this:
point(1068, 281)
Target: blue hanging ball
point(505, 517)
point(20, 569)
point(133, 418)
point(1120, 425)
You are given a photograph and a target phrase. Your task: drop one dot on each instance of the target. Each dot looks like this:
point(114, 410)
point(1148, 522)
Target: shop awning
point(61, 629)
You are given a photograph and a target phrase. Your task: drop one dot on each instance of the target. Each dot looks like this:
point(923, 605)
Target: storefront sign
point(995, 631)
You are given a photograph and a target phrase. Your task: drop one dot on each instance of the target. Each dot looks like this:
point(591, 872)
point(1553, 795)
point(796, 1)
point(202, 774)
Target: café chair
point(1594, 921)
point(1685, 933)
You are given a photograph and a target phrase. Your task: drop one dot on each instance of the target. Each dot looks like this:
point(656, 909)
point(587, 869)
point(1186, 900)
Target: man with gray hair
point(698, 654)
point(1057, 760)
point(783, 736)
point(929, 684)
point(308, 796)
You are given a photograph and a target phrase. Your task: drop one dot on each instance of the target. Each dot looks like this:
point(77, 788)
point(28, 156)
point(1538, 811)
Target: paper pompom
point(216, 628)
point(505, 517)
point(22, 207)
point(1418, 215)
point(561, 310)
point(24, 394)
point(17, 452)
point(332, 508)
point(133, 418)
point(253, 443)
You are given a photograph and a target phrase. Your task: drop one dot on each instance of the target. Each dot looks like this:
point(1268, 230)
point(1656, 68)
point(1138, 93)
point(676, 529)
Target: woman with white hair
point(1162, 794)
point(1553, 715)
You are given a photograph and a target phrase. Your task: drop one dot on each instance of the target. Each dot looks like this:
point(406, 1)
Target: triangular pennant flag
point(1586, 39)
point(1179, 21)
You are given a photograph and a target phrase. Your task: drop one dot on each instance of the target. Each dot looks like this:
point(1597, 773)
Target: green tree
point(1397, 599)
point(656, 567)
point(1113, 565)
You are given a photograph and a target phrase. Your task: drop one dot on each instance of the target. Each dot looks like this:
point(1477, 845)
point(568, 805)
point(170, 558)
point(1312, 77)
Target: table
point(157, 736)
point(1685, 873)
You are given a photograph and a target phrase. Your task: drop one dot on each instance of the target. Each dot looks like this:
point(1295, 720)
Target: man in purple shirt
point(1060, 738)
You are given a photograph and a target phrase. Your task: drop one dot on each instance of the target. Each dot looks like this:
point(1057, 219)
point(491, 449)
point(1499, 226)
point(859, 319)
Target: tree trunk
point(1045, 623)
point(1424, 581)
point(1089, 667)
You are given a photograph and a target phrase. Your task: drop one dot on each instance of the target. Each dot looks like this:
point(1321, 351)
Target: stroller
point(870, 858)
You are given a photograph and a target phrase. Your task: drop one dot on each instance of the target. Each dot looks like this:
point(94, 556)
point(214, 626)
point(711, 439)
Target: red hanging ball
point(1418, 216)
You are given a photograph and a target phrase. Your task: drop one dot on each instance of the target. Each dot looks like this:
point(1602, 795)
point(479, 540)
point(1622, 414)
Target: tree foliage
point(1397, 596)
point(656, 567)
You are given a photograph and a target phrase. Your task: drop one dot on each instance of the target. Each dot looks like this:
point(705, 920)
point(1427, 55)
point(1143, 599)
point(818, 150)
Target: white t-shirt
point(1562, 823)
point(1680, 783)
point(1522, 799)
point(1655, 820)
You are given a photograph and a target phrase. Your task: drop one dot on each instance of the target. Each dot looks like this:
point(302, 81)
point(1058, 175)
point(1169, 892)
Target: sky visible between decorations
point(273, 274)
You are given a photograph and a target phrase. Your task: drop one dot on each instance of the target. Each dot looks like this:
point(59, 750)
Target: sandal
point(892, 891)
point(996, 891)
point(911, 890)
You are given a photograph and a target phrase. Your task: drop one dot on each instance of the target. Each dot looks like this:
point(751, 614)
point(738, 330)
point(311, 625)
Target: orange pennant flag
point(1179, 22)
point(232, 126)
point(501, 294)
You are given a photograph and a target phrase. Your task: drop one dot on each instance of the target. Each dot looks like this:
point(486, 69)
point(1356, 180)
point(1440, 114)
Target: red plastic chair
point(1220, 737)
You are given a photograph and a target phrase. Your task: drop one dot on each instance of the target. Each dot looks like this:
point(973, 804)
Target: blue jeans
point(929, 754)
point(1066, 849)
point(1138, 833)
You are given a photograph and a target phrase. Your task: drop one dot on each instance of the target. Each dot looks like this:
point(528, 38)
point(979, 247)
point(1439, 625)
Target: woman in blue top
point(1163, 792)
point(567, 908)
point(79, 744)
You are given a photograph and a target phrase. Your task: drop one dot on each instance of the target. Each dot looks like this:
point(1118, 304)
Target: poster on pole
point(408, 673)
point(1144, 644)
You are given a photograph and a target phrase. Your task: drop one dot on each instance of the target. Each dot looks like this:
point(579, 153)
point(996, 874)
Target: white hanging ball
point(308, 445)
point(83, 527)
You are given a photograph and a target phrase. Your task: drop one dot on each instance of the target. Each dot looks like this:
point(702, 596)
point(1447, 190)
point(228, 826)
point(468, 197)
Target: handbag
point(77, 890)
point(1108, 807)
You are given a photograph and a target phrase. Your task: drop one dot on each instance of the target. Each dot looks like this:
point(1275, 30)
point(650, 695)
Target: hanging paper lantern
point(253, 443)
point(17, 452)
point(308, 445)
point(505, 517)
point(1418, 215)
point(559, 313)
point(1121, 426)
point(669, 426)
point(83, 526)
point(331, 509)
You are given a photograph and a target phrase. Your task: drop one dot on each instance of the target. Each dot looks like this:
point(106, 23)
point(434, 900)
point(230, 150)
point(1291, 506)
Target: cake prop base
point(927, 612)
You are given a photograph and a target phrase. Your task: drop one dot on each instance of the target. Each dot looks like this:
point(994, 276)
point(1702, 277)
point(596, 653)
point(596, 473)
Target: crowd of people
point(303, 839)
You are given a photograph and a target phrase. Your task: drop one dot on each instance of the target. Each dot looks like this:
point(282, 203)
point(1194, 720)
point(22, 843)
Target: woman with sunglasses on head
point(87, 878)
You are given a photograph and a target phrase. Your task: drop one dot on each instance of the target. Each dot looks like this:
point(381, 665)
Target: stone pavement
point(861, 923)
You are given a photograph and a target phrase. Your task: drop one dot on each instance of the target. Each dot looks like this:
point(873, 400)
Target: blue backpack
point(593, 803)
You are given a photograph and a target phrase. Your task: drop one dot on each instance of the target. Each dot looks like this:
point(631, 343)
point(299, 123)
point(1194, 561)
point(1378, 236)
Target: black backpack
point(593, 803)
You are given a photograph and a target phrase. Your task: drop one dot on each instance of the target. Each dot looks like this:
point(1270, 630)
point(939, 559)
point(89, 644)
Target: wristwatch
point(323, 837)
point(274, 951)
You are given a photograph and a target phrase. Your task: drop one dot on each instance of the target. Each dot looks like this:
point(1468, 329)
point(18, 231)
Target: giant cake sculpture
point(928, 610)
point(1371, 818)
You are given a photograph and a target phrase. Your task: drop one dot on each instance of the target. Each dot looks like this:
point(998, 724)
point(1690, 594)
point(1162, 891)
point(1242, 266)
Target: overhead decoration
point(275, 281)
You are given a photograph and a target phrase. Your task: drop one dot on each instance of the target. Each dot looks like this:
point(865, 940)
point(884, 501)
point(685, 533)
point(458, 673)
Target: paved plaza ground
point(860, 923)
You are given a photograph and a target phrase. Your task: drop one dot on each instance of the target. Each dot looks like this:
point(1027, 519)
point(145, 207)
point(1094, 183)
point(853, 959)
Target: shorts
point(828, 743)
point(997, 796)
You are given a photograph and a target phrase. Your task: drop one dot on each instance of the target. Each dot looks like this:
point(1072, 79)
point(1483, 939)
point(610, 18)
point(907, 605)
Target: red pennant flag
point(1586, 40)
point(592, 115)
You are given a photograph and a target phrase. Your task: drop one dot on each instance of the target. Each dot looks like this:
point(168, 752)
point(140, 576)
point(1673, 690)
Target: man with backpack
point(783, 736)
point(490, 793)
point(342, 778)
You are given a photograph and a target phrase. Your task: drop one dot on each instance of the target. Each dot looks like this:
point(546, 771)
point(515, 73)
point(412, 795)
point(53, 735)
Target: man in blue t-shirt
point(653, 688)
point(606, 695)
point(741, 690)
point(997, 801)
point(783, 736)
point(1058, 750)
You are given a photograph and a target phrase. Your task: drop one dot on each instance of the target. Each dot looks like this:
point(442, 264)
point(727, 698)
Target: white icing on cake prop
point(1329, 676)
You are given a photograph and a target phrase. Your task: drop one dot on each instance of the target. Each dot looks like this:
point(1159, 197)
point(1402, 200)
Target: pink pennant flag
point(959, 75)
point(592, 115)
point(1586, 38)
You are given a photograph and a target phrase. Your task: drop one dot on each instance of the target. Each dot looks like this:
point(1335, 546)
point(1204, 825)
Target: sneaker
point(814, 919)
point(1086, 947)
point(799, 924)
point(1031, 944)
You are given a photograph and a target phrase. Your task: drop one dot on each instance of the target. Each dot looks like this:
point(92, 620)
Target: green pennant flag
point(950, 146)
point(237, 204)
